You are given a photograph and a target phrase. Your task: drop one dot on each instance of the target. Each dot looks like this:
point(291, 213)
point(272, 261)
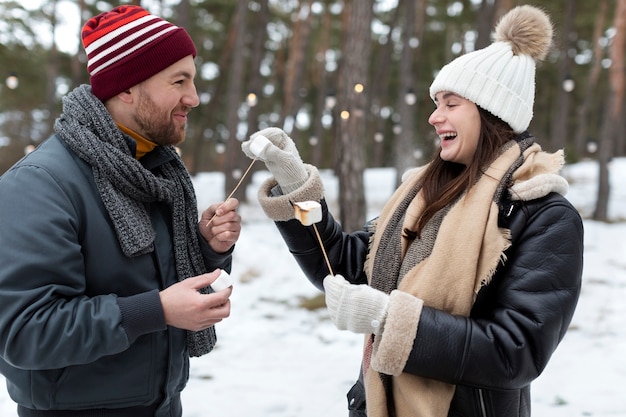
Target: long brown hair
point(445, 181)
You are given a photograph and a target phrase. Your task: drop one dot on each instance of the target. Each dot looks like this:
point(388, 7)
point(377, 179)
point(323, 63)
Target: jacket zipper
point(481, 399)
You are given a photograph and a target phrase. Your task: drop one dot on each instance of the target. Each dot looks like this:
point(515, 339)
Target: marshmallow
point(258, 145)
point(308, 212)
point(222, 282)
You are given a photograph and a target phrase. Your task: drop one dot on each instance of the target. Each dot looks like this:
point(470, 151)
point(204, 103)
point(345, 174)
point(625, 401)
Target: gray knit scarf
point(125, 187)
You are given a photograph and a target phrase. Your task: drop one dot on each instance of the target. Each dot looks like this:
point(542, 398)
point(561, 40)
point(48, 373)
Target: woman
point(467, 281)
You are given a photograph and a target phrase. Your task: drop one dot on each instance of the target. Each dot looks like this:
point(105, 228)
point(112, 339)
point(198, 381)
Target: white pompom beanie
point(501, 77)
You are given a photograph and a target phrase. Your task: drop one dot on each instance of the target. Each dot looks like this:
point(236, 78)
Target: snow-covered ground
point(275, 358)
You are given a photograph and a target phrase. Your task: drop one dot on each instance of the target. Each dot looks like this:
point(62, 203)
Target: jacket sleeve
point(520, 317)
point(346, 252)
point(212, 259)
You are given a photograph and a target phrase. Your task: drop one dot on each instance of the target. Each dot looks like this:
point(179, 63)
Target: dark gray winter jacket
point(81, 324)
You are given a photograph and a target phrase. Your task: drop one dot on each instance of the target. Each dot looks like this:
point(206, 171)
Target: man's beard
point(156, 125)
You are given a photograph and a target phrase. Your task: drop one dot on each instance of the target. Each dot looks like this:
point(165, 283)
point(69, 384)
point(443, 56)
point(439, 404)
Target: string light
point(410, 98)
point(12, 81)
point(330, 101)
point(568, 84)
point(252, 99)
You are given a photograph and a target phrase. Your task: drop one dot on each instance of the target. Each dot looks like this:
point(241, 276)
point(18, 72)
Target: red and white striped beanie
point(129, 45)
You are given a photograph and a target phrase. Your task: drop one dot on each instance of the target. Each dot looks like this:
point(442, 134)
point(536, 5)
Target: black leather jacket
point(516, 322)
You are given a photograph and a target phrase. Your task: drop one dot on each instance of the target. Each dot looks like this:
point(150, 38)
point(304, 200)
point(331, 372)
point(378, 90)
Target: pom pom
point(528, 30)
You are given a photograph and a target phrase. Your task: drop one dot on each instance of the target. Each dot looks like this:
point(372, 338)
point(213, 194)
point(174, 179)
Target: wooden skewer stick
point(319, 239)
point(309, 213)
point(235, 189)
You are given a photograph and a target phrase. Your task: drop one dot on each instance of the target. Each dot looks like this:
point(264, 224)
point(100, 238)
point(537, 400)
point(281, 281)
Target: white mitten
point(280, 156)
point(357, 308)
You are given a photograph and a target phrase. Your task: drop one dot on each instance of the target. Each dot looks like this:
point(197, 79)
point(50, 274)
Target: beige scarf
point(465, 253)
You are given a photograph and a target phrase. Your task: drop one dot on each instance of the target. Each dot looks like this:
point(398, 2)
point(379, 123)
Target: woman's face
point(457, 123)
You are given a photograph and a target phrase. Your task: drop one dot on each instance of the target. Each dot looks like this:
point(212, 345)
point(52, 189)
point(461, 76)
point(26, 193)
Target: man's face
point(163, 102)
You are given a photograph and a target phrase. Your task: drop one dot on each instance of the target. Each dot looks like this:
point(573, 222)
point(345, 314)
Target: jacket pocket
point(125, 379)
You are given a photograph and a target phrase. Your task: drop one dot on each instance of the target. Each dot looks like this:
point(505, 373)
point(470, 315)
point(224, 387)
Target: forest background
point(347, 80)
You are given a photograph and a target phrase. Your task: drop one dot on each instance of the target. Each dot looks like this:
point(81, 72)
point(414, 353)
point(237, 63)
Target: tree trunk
point(196, 160)
point(321, 82)
point(77, 67)
point(52, 71)
point(255, 83)
point(233, 167)
point(559, 122)
point(352, 103)
point(612, 116)
point(592, 80)
point(404, 146)
point(380, 92)
point(293, 86)
point(502, 7)
point(485, 22)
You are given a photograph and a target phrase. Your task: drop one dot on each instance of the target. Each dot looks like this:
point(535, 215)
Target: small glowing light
point(410, 98)
point(568, 84)
point(358, 88)
point(252, 100)
point(12, 81)
point(345, 115)
point(327, 121)
point(378, 137)
point(331, 101)
point(592, 146)
point(313, 140)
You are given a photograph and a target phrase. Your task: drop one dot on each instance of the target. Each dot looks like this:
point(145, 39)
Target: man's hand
point(220, 225)
point(186, 308)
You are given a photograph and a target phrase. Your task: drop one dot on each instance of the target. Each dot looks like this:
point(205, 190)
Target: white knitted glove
point(281, 158)
point(357, 308)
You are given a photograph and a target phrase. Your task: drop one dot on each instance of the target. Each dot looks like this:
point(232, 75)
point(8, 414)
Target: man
point(104, 285)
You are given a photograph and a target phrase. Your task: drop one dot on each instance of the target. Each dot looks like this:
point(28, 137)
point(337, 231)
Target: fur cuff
point(392, 348)
point(539, 186)
point(280, 208)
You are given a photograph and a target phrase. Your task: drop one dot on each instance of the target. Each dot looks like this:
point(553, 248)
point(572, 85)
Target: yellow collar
point(143, 145)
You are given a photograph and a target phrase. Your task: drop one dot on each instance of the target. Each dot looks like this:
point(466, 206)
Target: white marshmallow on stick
point(308, 212)
point(222, 282)
point(258, 145)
